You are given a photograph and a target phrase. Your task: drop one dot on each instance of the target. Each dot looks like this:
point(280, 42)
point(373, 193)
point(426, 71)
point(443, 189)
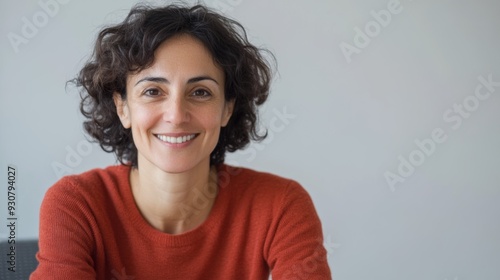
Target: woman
point(169, 91)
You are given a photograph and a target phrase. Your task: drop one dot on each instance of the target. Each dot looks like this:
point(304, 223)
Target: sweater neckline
point(175, 240)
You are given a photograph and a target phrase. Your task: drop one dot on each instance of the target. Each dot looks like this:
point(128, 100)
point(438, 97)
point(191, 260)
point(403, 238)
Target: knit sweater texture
point(260, 224)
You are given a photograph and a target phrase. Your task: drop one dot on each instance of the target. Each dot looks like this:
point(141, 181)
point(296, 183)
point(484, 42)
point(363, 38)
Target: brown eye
point(152, 92)
point(201, 93)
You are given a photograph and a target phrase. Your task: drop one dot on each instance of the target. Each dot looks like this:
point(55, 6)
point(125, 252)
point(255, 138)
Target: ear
point(228, 111)
point(122, 109)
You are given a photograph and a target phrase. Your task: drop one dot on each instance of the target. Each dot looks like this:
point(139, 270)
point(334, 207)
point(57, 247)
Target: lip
point(176, 135)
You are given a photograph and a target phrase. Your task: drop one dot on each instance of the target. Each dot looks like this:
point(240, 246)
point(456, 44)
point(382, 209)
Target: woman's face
point(176, 107)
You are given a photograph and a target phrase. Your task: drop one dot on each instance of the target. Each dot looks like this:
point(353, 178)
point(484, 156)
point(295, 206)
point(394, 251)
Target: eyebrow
point(165, 81)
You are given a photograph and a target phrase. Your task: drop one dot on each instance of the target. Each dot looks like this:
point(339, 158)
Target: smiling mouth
point(176, 140)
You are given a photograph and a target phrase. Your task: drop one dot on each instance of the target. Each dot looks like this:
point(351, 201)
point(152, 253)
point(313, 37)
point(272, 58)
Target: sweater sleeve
point(295, 241)
point(65, 243)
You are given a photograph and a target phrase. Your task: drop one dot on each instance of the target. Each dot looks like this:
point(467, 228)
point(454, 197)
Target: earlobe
point(122, 109)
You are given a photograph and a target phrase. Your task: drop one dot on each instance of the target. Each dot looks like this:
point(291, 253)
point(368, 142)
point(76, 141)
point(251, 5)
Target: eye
point(151, 92)
point(201, 93)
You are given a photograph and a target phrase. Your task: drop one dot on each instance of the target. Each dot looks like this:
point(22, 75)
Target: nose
point(176, 110)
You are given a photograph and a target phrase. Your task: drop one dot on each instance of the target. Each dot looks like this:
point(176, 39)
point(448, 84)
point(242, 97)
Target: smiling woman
point(169, 91)
point(180, 97)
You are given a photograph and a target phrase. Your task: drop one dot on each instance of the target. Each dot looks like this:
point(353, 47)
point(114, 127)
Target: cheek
point(213, 118)
point(142, 118)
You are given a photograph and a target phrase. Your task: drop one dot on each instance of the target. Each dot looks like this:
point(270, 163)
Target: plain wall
point(347, 111)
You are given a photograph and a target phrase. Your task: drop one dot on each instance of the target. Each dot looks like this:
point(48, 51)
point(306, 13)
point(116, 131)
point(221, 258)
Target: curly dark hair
point(129, 47)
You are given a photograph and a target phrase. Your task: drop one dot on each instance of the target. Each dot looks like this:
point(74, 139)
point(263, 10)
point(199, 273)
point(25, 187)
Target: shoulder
point(94, 183)
point(229, 175)
point(262, 185)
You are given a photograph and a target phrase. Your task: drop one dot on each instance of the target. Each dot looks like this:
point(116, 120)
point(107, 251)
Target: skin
point(182, 93)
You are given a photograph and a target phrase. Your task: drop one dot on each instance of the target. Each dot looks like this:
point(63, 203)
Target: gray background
point(350, 119)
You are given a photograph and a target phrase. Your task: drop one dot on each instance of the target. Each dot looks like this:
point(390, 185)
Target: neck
point(174, 202)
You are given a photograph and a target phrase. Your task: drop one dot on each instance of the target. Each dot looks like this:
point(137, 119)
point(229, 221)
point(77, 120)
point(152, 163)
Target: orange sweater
point(90, 228)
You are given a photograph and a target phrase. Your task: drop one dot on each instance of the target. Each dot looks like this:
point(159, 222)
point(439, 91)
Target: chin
point(175, 169)
point(180, 166)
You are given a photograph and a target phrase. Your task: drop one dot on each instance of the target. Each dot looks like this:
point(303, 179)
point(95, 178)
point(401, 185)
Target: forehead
point(182, 57)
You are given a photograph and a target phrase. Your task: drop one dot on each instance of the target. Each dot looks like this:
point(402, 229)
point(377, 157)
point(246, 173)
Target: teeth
point(175, 140)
